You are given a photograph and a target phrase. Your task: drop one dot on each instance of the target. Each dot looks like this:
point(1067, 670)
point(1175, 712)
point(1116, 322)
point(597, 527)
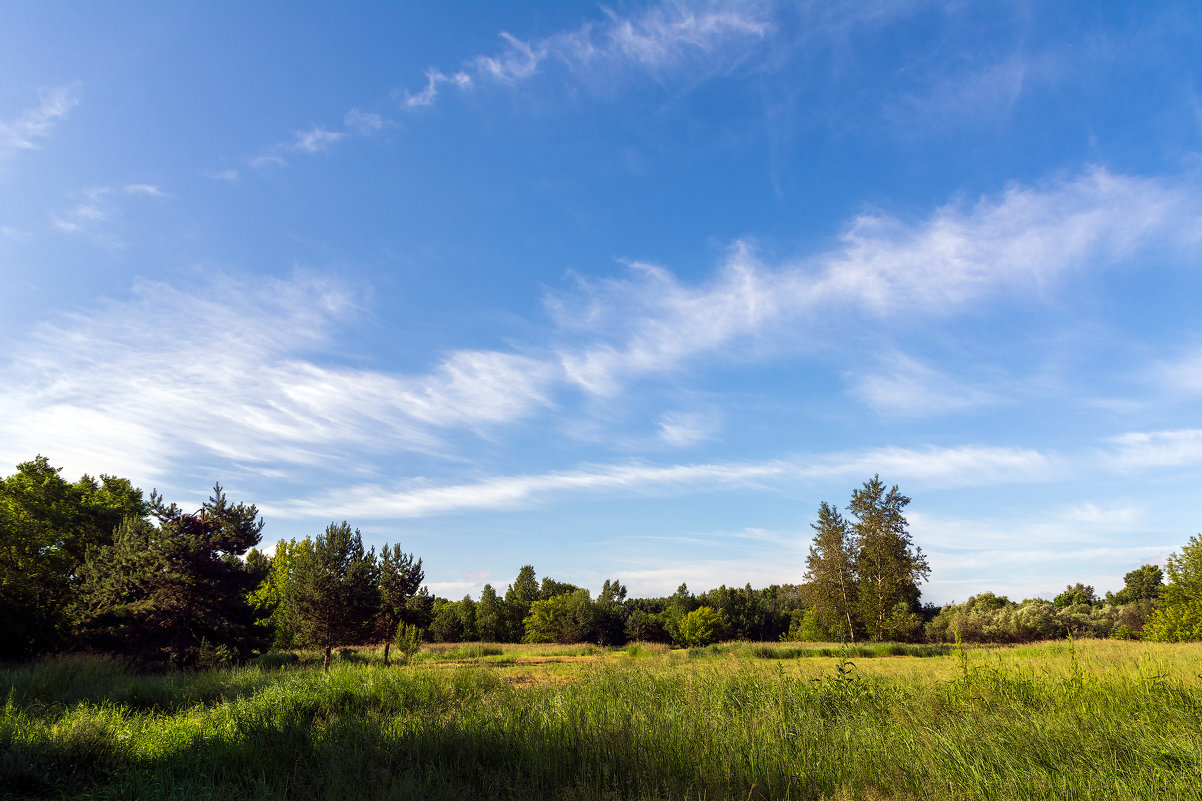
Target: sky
point(620, 290)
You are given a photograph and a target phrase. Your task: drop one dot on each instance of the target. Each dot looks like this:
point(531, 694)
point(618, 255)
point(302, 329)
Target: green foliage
point(1145, 583)
point(400, 579)
point(454, 621)
point(274, 616)
point(610, 614)
point(1074, 595)
point(408, 640)
point(521, 594)
point(47, 526)
point(1178, 617)
point(988, 618)
point(643, 626)
point(490, 616)
point(568, 618)
point(701, 627)
point(887, 566)
point(333, 590)
point(173, 595)
point(1015, 724)
point(831, 576)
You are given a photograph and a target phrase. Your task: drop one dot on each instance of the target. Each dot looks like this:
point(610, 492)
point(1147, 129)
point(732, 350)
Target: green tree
point(523, 592)
point(568, 618)
point(267, 598)
point(333, 590)
point(454, 621)
point(703, 626)
point(1145, 583)
point(887, 565)
point(47, 526)
point(490, 616)
point(680, 603)
point(1075, 594)
point(611, 617)
point(831, 574)
point(1178, 615)
point(176, 594)
point(400, 579)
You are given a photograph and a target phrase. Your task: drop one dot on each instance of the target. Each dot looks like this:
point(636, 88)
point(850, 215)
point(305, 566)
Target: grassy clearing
point(1083, 720)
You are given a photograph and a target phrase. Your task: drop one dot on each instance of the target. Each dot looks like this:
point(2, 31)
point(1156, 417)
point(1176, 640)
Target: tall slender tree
point(490, 616)
point(887, 564)
point(831, 574)
point(523, 592)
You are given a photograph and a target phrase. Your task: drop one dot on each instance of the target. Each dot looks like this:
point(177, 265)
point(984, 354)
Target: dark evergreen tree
point(176, 594)
point(333, 592)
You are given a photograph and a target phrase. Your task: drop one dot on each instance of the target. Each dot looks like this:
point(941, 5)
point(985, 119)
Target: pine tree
point(830, 573)
point(886, 563)
point(400, 579)
point(333, 591)
point(177, 594)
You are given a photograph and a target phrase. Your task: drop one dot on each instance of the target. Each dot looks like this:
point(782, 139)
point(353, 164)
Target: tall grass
point(1086, 721)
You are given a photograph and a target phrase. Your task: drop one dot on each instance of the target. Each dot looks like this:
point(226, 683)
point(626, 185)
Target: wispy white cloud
point(942, 466)
point(315, 140)
point(97, 207)
point(233, 378)
point(365, 122)
point(685, 429)
point(979, 96)
point(657, 39)
point(902, 386)
point(35, 124)
point(1179, 376)
point(1020, 242)
point(434, 79)
point(1156, 449)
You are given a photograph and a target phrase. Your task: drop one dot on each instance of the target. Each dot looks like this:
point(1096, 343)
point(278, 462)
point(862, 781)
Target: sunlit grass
point(1056, 720)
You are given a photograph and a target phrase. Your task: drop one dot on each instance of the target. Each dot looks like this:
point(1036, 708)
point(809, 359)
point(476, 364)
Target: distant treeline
point(96, 566)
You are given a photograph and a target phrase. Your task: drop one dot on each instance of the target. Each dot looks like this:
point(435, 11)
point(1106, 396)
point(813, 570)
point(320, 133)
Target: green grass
point(1057, 721)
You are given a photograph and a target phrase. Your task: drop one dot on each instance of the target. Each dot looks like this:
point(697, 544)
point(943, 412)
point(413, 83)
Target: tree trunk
point(326, 665)
point(387, 644)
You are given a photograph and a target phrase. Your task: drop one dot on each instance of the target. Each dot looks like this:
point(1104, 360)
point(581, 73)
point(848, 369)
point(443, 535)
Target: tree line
point(96, 565)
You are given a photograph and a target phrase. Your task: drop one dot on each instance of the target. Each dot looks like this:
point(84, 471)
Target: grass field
point(1083, 720)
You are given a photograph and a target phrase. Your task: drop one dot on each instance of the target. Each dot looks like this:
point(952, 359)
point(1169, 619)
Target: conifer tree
point(830, 573)
point(175, 594)
point(333, 590)
point(400, 579)
point(887, 565)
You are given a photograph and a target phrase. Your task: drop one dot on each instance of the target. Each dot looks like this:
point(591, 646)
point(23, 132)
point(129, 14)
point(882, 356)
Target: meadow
point(1087, 719)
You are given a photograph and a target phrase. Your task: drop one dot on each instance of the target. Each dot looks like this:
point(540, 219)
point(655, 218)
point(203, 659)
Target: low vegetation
point(1068, 719)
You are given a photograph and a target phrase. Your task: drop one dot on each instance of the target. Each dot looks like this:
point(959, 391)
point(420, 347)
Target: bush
point(699, 628)
point(408, 641)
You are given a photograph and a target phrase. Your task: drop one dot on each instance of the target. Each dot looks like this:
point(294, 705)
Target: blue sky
point(621, 290)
